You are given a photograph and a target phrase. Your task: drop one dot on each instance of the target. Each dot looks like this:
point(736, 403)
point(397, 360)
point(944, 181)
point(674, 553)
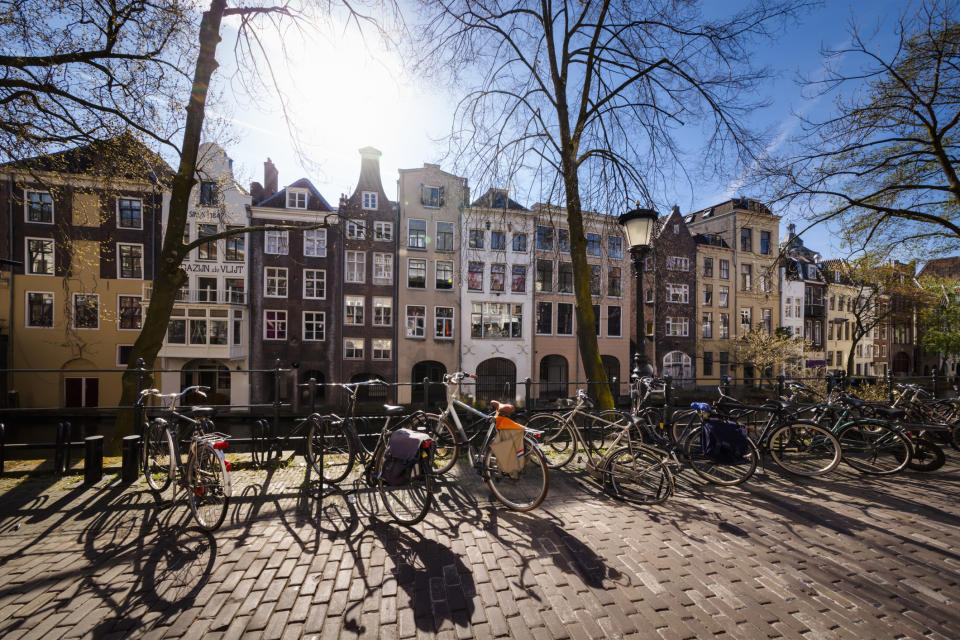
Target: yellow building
point(85, 235)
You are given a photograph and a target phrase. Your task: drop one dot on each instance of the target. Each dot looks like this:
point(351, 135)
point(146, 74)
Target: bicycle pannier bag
point(723, 441)
point(400, 457)
point(508, 446)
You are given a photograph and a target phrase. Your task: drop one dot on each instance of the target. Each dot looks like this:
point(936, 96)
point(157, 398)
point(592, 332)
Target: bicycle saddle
point(203, 412)
point(392, 409)
point(503, 408)
point(891, 413)
point(782, 405)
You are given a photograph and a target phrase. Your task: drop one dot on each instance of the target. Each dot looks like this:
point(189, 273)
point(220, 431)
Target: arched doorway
point(901, 363)
point(554, 376)
point(611, 365)
point(318, 393)
point(80, 389)
point(373, 392)
point(433, 371)
point(680, 366)
point(207, 374)
point(496, 380)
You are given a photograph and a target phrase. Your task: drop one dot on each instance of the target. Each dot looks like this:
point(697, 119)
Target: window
point(431, 196)
point(707, 324)
point(615, 248)
point(724, 269)
point(383, 231)
point(443, 323)
point(708, 363)
point(370, 200)
point(123, 354)
point(130, 260)
point(518, 283)
point(475, 276)
point(417, 273)
point(595, 282)
point(417, 234)
point(206, 290)
point(209, 193)
point(596, 319)
point(564, 319)
point(788, 308)
point(498, 241)
point(817, 332)
point(830, 358)
point(86, 311)
point(746, 320)
point(724, 332)
point(444, 236)
point(315, 243)
point(314, 326)
point(593, 245)
point(724, 363)
point(356, 230)
point(765, 243)
point(235, 245)
point(676, 263)
point(353, 348)
point(353, 310)
point(40, 258)
point(39, 205)
point(544, 318)
point(129, 213)
point(207, 250)
point(545, 275)
point(496, 320)
point(315, 284)
point(830, 331)
point(544, 238)
point(565, 278)
point(416, 321)
point(275, 282)
point(520, 242)
point(276, 242)
point(648, 296)
point(613, 322)
point(649, 327)
point(476, 239)
point(383, 268)
point(746, 277)
point(677, 326)
point(235, 290)
point(444, 273)
point(766, 319)
point(131, 312)
point(765, 281)
point(39, 309)
point(177, 329)
point(382, 349)
point(356, 266)
point(382, 312)
point(746, 240)
point(296, 199)
point(679, 293)
point(613, 282)
point(708, 267)
point(498, 274)
point(708, 295)
point(648, 264)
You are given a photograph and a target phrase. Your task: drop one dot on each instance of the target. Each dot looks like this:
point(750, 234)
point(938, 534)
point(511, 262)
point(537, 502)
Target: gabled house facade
point(716, 296)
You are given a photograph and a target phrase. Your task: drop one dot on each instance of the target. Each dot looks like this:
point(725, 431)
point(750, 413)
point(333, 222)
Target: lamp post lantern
point(638, 226)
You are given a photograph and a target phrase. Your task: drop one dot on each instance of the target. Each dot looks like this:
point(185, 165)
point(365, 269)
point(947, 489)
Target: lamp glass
point(638, 231)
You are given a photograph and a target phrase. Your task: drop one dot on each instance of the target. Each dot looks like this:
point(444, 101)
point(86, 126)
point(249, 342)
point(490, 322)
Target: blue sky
point(346, 93)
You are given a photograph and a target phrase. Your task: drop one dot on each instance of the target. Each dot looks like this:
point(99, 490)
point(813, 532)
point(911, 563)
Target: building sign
point(214, 267)
point(813, 364)
point(209, 214)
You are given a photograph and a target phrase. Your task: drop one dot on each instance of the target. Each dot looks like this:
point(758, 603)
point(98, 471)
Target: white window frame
point(346, 305)
point(356, 230)
point(284, 276)
point(266, 322)
point(422, 240)
point(323, 323)
point(26, 309)
point(362, 264)
point(370, 200)
point(362, 349)
point(682, 322)
point(681, 290)
point(388, 265)
point(426, 269)
point(293, 200)
point(26, 207)
point(117, 211)
point(381, 299)
point(120, 275)
point(452, 232)
point(323, 278)
point(317, 240)
point(28, 267)
point(446, 321)
point(423, 322)
point(436, 274)
point(382, 231)
point(678, 263)
point(282, 240)
point(73, 311)
point(120, 317)
point(373, 348)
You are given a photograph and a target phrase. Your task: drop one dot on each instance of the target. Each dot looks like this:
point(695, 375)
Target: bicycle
point(206, 473)
point(521, 491)
point(265, 447)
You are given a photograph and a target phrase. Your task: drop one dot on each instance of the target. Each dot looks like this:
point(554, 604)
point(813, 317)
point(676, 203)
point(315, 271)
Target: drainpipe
point(10, 213)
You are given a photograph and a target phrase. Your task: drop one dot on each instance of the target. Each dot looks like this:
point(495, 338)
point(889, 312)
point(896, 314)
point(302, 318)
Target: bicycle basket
point(401, 455)
point(723, 441)
point(508, 447)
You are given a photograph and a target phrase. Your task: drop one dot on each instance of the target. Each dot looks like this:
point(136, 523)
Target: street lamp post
point(638, 226)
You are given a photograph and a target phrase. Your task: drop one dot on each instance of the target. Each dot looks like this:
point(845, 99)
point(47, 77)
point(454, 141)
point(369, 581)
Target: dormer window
point(296, 199)
point(209, 194)
point(370, 200)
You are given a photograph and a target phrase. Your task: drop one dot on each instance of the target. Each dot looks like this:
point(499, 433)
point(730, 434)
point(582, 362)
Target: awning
point(813, 364)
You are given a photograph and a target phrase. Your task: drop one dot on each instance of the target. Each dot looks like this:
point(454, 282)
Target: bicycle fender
point(228, 483)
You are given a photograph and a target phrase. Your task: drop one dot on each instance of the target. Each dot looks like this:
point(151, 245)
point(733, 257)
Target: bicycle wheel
point(408, 504)
point(683, 424)
point(208, 482)
point(602, 434)
point(446, 451)
point(927, 455)
point(727, 472)
point(158, 451)
point(524, 490)
point(328, 443)
point(874, 447)
point(804, 449)
point(638, 474)
point(560, 446)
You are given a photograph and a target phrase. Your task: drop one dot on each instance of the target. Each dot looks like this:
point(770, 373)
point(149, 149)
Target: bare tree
point(585, 99)
point(884, 164)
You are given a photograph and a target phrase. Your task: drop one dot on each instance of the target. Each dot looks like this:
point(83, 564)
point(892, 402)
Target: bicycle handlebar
point(146, 393)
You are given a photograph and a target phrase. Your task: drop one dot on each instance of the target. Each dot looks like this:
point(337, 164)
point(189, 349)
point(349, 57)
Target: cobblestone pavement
point(843, 556)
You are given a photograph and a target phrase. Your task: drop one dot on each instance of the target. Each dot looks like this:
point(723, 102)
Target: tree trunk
point(169, 274)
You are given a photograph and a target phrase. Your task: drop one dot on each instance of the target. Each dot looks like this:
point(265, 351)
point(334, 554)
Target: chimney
point(256, 193)
point(270, 178)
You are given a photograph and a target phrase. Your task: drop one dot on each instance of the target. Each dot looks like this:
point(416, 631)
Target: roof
point(747, 204)
point(498, 199)
point(711, 239)
point(124, 156)
point(942, 267)
point(279, 199)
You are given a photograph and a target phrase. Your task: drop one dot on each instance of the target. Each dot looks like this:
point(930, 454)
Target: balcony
point(813, 310)
point(209, 296)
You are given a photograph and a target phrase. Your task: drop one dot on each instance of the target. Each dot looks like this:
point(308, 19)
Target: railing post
point(780, 385)
point(3, 457)
point(667, 399)
point(130, 470)
point(93, 459)
point(312, 386)
point(829, 379)
point(426, 394)
point(526, 394)
point(276, 396)
point(890, 384)
point(934, 382)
